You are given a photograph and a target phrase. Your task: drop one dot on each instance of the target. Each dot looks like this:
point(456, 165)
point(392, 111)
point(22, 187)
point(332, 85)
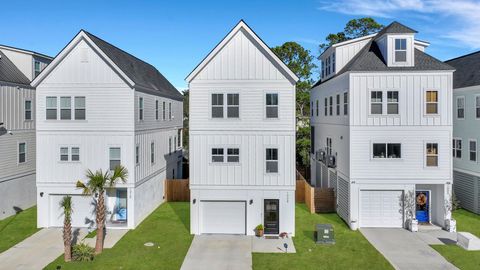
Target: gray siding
point(343, 199)
point(467, 191)
point(333, 180)
point(17, 194)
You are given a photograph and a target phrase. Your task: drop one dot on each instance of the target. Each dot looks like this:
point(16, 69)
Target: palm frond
point(119, 173)
point(67, 205)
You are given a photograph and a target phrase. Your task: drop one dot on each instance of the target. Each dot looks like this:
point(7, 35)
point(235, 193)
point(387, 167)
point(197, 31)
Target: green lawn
point(351, 251)
point(463, 259)
point(16, 228)
point(167, 227)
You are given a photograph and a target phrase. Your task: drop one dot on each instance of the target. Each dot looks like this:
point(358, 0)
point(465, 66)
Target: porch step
point(428, 227)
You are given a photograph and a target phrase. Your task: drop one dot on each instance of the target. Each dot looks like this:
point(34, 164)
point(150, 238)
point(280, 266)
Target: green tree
point(67, 206)
point(96, 186)
point(353, 29)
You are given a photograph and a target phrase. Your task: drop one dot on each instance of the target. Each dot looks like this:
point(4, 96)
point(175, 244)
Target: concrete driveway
point(222, 252)
point(405, 250)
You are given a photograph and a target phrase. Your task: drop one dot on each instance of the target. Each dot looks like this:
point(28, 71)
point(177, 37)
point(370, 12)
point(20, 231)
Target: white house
point(381, 125)
point(242, 139)
point(17, 128)
point(98, 107)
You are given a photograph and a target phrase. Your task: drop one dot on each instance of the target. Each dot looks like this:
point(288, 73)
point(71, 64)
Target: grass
point(463, 259)
point(351, 251)
point(16, 228)
point(167, 227)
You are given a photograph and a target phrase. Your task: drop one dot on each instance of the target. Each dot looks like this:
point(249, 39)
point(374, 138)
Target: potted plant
point(259, 230)
point(409, 205)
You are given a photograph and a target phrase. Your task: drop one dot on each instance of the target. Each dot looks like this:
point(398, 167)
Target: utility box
point(324, 234)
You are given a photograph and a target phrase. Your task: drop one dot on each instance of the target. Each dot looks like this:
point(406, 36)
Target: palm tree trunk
point(100, 222)
point(67, 239)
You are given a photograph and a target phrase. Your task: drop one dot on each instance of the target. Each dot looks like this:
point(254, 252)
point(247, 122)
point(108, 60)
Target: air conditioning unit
point(320, 155)
point(331, 161)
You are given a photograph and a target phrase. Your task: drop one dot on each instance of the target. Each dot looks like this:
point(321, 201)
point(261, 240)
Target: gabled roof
point(467, 70)
point(396, 28)
point(242, 25)
point(10, 73)
point(137, 73)
point(25, 51)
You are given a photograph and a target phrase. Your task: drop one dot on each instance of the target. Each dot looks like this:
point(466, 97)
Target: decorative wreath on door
point(421, 199)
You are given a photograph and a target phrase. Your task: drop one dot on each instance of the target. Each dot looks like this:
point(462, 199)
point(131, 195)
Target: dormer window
point(333, 62)
point(400, 50)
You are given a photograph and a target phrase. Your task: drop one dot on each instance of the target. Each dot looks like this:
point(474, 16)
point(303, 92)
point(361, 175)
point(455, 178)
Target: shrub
point(259, 227)
point(83, 252)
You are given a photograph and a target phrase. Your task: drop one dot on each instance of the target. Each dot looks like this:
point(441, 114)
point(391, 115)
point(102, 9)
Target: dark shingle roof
point(467, 70)
point(396, 28)
point(10, 73)
point(145, 76)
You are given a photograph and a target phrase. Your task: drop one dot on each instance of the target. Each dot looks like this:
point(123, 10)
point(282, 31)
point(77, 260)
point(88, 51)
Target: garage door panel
point(83, 214)
point(381, 208)
point(223, 217)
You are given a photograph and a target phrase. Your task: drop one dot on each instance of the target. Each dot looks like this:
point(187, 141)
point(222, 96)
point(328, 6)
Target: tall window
point(387, 150)
point(174, 142)
point(217, 155)
point(477, 107)
point(152, 152)
point(233, 155)
point(156, 109)
point(179, 137)
point(137, 154)
point(392, 102)
point(114, 157)
point(376, 102)
point(28, 110)
point(317, 106)
point(473, 150)
point(80, 108)
point(432, 154)
point(233, 106)
point(460, 107)
point(170, 145)
point(51, 107)
point(333, 62)
point(457, 148)
point(432, 102)
point(63, 153)
point(140, 108)
point(164, 113)
point(338, 104)
point(329, 146)
point(37, 68)
point(271, 159)
point(65, 108)
point(75, 154)
point(169, 111)
point(272, 105)
point(400, 50)
point(217, 105)
point(22, 152)
point(331, 106)
point(345, 103)
point(326, 106)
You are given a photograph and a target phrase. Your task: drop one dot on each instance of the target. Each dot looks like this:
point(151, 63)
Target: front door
point(271, 214)
point(422, 206)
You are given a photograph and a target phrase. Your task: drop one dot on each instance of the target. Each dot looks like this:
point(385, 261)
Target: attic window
point(84, 55)
point(400, 50)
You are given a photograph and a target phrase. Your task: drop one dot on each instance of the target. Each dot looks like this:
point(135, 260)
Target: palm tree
point(67, 205)
point(96, 185)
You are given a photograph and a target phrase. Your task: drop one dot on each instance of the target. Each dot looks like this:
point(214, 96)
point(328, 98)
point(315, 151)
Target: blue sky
point(175, 36)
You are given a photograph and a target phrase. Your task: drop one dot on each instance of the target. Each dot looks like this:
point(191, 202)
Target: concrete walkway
point(406, 250)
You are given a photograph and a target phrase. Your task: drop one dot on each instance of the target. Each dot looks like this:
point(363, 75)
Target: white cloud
point(458, 20)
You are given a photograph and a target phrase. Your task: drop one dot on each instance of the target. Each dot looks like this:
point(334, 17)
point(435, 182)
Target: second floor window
point(477, 107)
point(329, 146)
point(400, 50)
point(217, 105)
point(392, 102)
point(63, 153)
point(326, 106)
point(345, 103)
point(473, 150)
point(51, 107)
point(338, 104)
point(152, 152)
point(80, 109)
point(271, 160)
point(114, 157)
point(156, 109)
point(28, 110)
point(217, 155)
point(387, 150)
point(37, 68)
point(272, 106)
point(65, 108)
point(75, 154)
point(22, 152)
point(457, 148)
point(233, 106)
point(164, 111)
point(432, 154)
point(169, 111)
point(137, 154)
point(376, 102)
point(233, 155)
point(317, 106)
point(331, 106)
point(140, 108)
point(460, 107)
point(431, 102)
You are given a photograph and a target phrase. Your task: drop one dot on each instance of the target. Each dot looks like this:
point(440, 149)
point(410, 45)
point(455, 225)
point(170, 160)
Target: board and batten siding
point(149, 121)
point(345, 53)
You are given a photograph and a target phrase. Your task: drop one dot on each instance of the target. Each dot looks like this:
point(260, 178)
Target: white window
point(217, 105)
point(477, 107)
point(137, 154)
point(460, 107)
point(387, 150)
point(80, 109)
point(473, 150)
point(140, 108)
point(400, 50)
point(37, 67)
point(272, 105)
point(156, 109)
point(326, 106)
point(345, 103)
point(115, 160)
point(233, 106)
point(22, 152)
point(63, 153)
point(338, 104)
point(431, 102)
point(376, 102)
point(432, 154)
point(457, 148)
point(152, 152)
point(392, 102)
point(169, 111)
point(331, 106)
point(217, 155)
point(65, 108)
point(271, 158)
point(233, 155)
point(51, 107)
point(164, 111)
point(75, 154)
point(329, 146)
point(28, 110)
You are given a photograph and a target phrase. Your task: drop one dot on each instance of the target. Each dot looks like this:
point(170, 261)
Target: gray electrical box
point(324, 234)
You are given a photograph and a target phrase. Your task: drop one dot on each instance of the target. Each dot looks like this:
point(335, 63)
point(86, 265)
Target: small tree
point(96, 186)
point(67, 205)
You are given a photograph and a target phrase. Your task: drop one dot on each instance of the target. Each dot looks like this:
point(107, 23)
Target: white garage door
point(223, 217)
point(381, 208)
point(83, 211)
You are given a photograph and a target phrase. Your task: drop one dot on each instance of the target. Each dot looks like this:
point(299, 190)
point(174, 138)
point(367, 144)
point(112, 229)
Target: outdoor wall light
point(41, 194)
point(194, 201)
point(251, 201)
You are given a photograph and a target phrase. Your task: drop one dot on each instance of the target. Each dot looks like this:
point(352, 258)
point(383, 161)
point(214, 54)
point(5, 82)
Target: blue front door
point(423, 206)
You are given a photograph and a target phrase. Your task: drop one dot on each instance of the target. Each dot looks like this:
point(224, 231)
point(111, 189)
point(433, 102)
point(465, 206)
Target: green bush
point(82, 252)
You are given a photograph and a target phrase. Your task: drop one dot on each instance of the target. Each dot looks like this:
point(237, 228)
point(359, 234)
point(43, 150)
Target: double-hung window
point(345, 103)
point(460, 107)
point(51, 107)
point(152, 152)
point(65, 108)
point(115, 157)
point(376, 102)
point(80, 108)
point(326, 106)
point(271, 159)
point(217, 155)
point(22, 152)
point(457, 148)
point(477, 107)
point(400, 50)
point(392, 102)
point(140, 108)
point(28, 110)
point(338, 104)
point(63, 153)
point(431, 102)
point(432, 154)
point(156, 109)
point(331, 106)
point(387, 150)
point(75, 154)
point(233, 155)
point(272, 105)
point(233, 105)
point(473, 150)
point(217, 105)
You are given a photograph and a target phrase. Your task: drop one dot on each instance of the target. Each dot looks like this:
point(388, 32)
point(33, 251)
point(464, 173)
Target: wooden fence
point(177, 190)
point(318, 200)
